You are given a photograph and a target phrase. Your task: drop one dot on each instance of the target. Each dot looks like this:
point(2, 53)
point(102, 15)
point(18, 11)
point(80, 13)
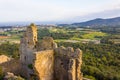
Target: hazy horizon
point(57, 11)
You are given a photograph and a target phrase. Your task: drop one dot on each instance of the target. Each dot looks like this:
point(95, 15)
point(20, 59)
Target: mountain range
point(100, 22)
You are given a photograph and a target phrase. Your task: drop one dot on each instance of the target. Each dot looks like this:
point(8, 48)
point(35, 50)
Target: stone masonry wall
point(68, 62)
point(44, 64)
point(49, 62)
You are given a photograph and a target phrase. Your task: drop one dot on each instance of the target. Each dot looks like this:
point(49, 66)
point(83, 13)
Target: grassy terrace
point(59, 34)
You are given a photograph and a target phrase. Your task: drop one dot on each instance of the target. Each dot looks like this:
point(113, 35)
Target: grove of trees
point(100, 61)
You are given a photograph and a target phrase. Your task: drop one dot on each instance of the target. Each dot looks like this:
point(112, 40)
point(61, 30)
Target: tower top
point(33, 27)
point(31, 35)
point(32, 24)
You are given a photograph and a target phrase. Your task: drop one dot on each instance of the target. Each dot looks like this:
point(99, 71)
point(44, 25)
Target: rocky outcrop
point(12, 65)
point(45, 61)
point(11, 76)
point(4, 59)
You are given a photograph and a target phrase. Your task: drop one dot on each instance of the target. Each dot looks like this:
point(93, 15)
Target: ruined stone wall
point(28, 44)
point(44, 64)
point(67, 64)
point(27, 48)
point(46, 44)
point(49, 62)
point(31, 35)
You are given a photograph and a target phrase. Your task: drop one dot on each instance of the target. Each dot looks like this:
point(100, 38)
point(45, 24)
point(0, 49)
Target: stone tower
point(31, 35)
point(45, 61)
point(28, 44)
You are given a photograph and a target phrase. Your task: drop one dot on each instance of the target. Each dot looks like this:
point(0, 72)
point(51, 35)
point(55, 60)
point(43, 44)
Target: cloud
point(30, 10)
point(104, 14)
point(52, 10)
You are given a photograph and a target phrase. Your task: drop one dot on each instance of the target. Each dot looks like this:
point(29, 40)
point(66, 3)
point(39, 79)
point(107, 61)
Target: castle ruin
point(43, 60)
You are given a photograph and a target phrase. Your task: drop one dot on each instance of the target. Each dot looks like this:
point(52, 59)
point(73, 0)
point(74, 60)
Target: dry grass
point(4, 37)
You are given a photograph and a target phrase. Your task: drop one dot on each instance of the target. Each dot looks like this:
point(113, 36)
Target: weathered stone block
point(44, 64)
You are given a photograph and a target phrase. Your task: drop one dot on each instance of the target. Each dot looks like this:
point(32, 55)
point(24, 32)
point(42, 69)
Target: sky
point(57, 10)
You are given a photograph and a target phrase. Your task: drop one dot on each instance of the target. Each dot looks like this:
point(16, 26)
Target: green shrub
point(30, 66)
